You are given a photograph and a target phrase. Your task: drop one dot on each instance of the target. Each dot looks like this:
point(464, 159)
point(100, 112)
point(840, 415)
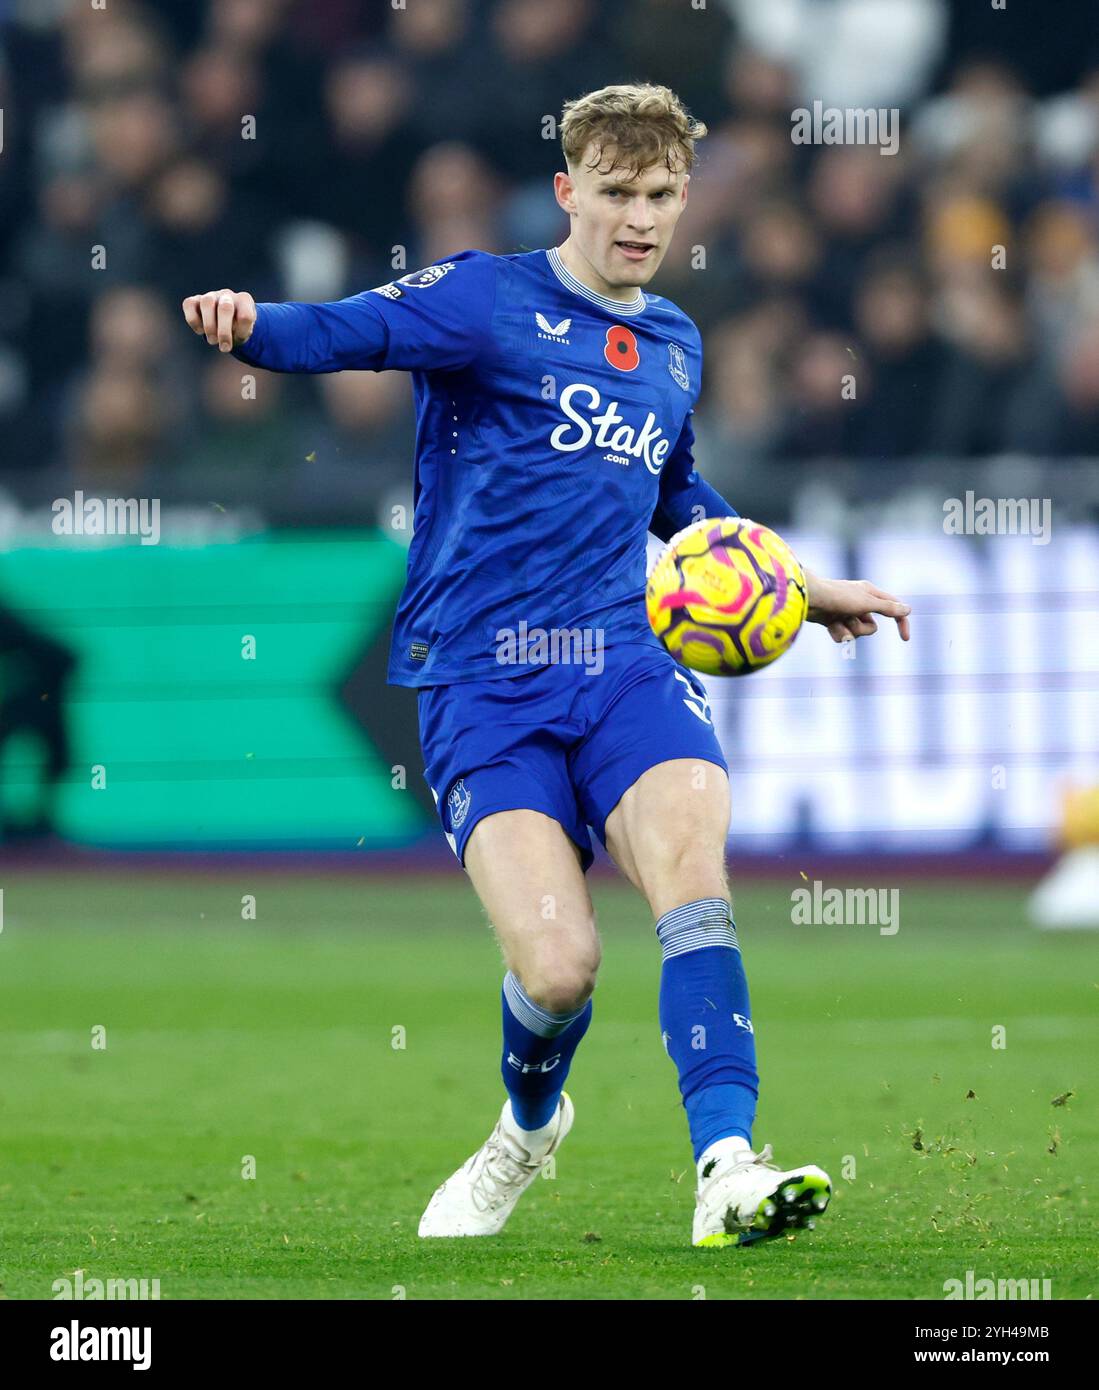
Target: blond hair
point(638, 124)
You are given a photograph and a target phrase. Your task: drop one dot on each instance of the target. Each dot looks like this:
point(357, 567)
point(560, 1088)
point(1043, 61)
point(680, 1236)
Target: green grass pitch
point(274, 1038)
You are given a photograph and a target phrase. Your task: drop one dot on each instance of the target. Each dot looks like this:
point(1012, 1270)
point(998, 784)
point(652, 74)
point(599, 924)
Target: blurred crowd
point(942, 301)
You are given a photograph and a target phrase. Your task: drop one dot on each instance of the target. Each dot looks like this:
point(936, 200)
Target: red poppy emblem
point(621, 348)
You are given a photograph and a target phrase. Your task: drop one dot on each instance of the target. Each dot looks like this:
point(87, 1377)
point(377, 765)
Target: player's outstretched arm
point(436, 319)
point(846, 607)
point(290, 337)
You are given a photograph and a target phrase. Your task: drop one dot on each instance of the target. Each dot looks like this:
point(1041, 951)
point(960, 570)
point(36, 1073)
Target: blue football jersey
point(553, 433)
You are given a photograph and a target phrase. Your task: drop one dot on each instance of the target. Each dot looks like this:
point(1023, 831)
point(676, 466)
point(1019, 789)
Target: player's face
point(622, 226)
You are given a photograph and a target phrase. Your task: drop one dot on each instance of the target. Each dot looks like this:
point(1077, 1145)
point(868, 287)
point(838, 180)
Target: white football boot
point(478, 1199)
point(743, 1197)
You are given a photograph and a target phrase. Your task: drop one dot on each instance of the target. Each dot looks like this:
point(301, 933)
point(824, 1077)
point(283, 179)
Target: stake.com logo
point(608, 429)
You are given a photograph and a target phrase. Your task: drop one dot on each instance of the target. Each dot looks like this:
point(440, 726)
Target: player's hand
point(224, 317)
point(846, 607)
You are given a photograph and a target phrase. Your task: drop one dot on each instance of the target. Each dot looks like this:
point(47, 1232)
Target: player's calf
point(669, 833)
point(538, 1050)
point(527, 874)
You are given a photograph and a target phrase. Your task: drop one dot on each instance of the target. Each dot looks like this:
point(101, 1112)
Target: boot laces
point(501, 1171)
point(763, 1159)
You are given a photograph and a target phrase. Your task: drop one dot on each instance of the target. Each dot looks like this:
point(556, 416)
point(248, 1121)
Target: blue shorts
point(559, 740)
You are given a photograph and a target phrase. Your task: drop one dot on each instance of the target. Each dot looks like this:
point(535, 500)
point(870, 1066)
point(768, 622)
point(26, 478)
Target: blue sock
point(538, 1049)
point(706, 1023)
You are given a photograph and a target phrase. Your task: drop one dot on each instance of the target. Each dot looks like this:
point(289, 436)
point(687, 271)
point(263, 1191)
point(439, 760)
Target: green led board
point(199, 746)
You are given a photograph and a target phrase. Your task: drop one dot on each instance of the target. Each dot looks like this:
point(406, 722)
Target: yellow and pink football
point(726, 596)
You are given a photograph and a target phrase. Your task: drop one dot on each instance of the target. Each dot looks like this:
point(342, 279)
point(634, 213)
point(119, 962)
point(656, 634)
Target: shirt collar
point(570, 282)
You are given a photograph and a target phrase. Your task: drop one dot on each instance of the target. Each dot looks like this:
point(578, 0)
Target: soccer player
point(553, 401)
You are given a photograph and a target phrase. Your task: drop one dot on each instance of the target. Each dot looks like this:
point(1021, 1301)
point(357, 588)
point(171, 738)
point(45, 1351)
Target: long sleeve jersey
point(553, 432)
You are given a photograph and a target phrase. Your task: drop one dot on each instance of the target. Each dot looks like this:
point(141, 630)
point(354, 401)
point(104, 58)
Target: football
point(726, 596)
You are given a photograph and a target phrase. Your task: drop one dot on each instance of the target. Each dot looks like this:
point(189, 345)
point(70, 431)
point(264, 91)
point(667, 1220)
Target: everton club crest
point(677, 365)
point(457, 803)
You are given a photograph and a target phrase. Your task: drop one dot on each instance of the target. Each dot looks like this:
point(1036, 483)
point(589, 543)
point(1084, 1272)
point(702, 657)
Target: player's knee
point(564, 994)
point(562, 978)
